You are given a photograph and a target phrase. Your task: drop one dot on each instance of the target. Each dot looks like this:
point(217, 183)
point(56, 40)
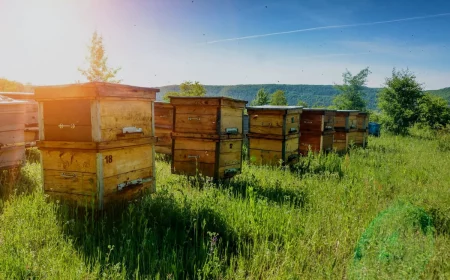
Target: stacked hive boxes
point(273, 134)
point(31, 115)
point(346, 127)
point(12, 124)
point(96, 142)
point(163, 127)
point(207, 136)
point(316, 130)
point(361, 137)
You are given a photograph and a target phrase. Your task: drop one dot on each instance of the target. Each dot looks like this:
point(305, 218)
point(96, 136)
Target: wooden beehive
point(343, 140)
point(163, 127)
point(217, 158)
point(207, 136)
point(12, 124)
point(346, 120)
point(31, 115)
point(208, 117)
point(273, 134)
point(316, 130)
point(362, 121)
point(97, 142)
point(361, 138)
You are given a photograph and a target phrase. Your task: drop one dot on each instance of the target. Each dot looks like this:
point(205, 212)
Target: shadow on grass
point(157, 236)
point(249, 185)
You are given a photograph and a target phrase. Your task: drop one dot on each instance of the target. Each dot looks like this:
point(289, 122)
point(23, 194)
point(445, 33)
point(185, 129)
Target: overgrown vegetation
point(339, 217)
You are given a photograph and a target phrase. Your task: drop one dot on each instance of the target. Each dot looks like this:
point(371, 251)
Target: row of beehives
point(97, 140)
point(275, 133)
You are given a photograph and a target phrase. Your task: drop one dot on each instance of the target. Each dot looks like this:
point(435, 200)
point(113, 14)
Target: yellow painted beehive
point(97, 142)
point(207, 136)
point(273, 134)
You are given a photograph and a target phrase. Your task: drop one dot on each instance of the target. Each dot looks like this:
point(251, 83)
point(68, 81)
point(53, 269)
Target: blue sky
point(169, 41)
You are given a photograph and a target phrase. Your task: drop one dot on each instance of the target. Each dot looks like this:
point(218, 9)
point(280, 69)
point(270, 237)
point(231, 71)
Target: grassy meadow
point(376, 213)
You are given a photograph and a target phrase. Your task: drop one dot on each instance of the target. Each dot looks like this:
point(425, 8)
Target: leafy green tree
point(433, 111)
point(262, 98)
point(10, 86)
point(302, 103)
point(399, 101)
point(278, 98)
point(187, 89)
point(98, 70)
point(352, 96)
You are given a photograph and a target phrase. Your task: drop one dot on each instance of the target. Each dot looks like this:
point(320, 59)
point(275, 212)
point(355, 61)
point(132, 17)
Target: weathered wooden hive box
point(362, 135)
point(163, 127)
point(346, 120)
point(346, 127)
point(316, 130)
point(12, 124)
point(207, 136)
point(31, 115)
point(273, 134)
point(97, 142)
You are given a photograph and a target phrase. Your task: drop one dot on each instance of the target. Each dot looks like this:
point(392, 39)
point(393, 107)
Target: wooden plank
point(228, 159)
point(110, 183)
point(129, 194)
point(265, 144)
point(127, 159)
point(12, 156)
point(195, 123)
point(74, 115)
point(74, 199)
point(233, 103)
point(11, 121)
point(230, 146)
point(70, 182)
point(195, 101)
point(163, 115)
point(93, 90)
point(231, 122)
point(196, 110)
point(69, 160)
point(190, 168)
point(95, 146)
point(205, 136)
point(167, 150)
point(114, 116)
point(192, 155)
point(95, 121)
point(265, 157)
point(11, 137)
point(311, 122)
point(41, 121)
point(266, 124)
point(194, 144)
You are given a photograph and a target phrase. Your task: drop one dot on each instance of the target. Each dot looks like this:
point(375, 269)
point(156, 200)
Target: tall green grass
point(304, 222)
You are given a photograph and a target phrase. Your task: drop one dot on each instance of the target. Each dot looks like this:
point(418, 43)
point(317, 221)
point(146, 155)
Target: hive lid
point(207, 101)
point(274, 107)
point(93, 90)
point(4, 100)
point(19, 95)
point(318, 110)
point(347, 112)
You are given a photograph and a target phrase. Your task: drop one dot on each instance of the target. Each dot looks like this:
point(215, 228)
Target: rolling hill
point(314, 95)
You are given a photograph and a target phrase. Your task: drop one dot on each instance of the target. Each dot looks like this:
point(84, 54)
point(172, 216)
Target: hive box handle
point(193, 119)
point(131, 129)
point(68, 175)
point(61, 126)
point(232, 130)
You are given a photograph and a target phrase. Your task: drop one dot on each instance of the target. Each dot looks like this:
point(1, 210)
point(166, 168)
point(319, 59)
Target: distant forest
point(313, 95)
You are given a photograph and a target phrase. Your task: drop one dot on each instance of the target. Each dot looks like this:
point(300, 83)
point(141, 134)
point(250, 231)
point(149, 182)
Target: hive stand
point(316, 130)
point(207, 136)
point(97, 142)
point(274, 134)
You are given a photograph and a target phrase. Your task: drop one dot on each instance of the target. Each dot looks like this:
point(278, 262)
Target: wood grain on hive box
point(212, 158)
point(97, 173)
point(97, 112)
point(12, 140)
point(216, 117)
